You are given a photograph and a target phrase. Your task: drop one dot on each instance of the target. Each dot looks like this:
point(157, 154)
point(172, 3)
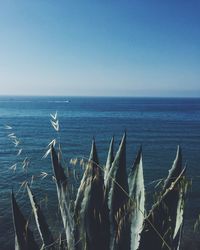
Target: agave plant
point(108, 212)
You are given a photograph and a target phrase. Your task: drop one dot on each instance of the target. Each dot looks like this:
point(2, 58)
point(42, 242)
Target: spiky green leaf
point(24, 239)
point(89, 207)
point(118, 200)
point(63, 199)
point(159, 224)
point(137, 200)
point(175, 170)
point(41, 223)
point(109, 162)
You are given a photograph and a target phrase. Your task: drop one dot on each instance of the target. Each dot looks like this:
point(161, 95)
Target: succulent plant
point(108, 212)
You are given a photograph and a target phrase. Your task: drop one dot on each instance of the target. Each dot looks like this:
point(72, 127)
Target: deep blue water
point(159, 124)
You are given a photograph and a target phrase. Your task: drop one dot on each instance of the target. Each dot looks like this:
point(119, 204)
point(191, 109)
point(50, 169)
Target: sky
point(100, 48)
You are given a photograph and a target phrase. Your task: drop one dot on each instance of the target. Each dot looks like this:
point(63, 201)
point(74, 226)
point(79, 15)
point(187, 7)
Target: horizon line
point(98, 96)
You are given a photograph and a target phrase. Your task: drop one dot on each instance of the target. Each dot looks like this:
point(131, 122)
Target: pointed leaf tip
point(122, 143)
point(93, 153)
point(57, 167)
point(138, 156)
point(175, 170)
point(109, 161)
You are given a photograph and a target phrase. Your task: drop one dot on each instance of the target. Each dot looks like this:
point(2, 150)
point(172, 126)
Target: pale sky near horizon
point(106, 48)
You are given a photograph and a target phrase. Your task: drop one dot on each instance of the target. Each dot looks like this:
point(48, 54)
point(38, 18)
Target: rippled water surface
point(158, 124)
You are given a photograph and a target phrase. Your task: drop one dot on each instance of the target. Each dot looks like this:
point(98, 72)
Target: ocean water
point(159, 124)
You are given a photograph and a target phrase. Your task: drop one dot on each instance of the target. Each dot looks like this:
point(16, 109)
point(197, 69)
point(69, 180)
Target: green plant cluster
point(108, 212)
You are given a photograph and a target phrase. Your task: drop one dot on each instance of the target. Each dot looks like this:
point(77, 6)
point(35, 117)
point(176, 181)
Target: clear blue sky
point(118, 47)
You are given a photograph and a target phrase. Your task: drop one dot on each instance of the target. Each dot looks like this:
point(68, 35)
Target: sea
point(158, 124)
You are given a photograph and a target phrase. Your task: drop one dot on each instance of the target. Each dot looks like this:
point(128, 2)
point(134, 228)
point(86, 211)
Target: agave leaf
point(89, 206)
point(171, 208)
point(80, 234)
point(159, 224)
point(95, 216)
point(118, 200)
point(24, 239)
point(175, 200)
point(109, 161)
point(63, 199)
point(175, 170)
point(88, 173)
point(82, 199)
point(118, 178)
point(45, 234)
point(177, 233)
point(137, 196)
